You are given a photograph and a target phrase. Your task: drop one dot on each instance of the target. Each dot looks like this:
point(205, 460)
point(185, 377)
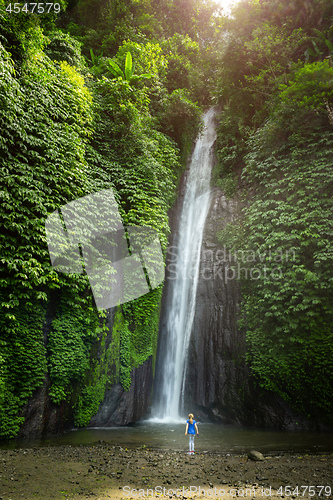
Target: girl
point(191, 429)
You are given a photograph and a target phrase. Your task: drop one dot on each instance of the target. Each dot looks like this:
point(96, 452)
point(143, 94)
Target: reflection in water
point(212, 437)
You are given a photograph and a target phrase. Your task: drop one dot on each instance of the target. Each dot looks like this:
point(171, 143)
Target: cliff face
point(218, 381)
point(41, 416)
point(122, 408)
point(119, 407)
point(217, 377)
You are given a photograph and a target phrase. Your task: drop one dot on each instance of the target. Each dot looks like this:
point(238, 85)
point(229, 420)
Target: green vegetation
point(275, 144)
point(109, 94)
point(73, 122)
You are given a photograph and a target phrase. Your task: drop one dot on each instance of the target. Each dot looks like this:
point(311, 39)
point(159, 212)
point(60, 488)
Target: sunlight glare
point(226, 5)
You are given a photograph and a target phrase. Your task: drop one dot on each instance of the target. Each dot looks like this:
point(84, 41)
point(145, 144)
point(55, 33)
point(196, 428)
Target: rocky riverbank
point(104, 471)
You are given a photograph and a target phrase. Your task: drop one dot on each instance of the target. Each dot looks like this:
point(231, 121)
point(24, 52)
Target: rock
point(41, 416)
point(256, 455)
point(217, 377)
point(122, 408)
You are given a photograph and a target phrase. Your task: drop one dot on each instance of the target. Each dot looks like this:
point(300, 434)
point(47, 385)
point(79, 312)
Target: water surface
point(170, 436)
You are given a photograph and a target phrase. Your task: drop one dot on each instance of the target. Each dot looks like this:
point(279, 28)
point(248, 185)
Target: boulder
point(256, 455)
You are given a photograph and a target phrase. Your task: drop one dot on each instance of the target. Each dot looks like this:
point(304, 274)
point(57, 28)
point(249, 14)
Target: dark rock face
point(218, 383)
point(119, 407)
point(122, 408)
point(216, 376)
point(42, 417)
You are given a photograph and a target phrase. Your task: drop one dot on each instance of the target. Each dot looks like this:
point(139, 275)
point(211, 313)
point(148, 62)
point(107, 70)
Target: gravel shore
point(104, 471)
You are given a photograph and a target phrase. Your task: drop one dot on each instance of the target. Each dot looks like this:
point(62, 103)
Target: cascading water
point(184, 274)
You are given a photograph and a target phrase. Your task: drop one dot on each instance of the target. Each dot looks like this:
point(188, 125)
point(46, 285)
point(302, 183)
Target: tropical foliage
point(68, 130)
point(275, 150)
point(109, 94)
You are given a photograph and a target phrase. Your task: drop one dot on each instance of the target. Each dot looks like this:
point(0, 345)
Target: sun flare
point(226, 5)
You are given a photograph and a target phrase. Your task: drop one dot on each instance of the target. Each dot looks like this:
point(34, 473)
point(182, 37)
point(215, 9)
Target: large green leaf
point(114, 69)
point(128, 66)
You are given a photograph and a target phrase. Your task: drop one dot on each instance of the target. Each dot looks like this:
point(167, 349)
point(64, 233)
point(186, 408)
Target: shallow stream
point(170, 436)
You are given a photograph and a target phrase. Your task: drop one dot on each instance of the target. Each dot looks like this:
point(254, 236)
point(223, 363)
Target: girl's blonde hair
point(191, 418)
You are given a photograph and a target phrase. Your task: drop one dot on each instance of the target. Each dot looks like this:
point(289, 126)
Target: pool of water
point(170, 436)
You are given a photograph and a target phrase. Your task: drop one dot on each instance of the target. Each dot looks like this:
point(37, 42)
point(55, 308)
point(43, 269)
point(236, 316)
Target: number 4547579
point(38, 8)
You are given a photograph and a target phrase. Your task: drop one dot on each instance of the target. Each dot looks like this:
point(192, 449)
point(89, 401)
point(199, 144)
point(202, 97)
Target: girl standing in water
point(191, 429)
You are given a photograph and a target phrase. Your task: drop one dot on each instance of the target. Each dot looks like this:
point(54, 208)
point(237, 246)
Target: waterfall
point(183, 275)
